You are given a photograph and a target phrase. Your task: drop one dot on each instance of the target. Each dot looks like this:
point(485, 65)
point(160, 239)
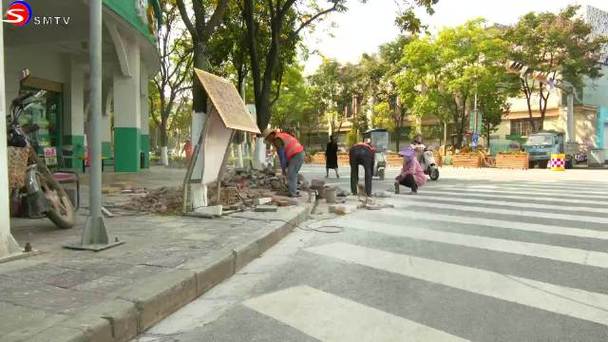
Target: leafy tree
point(172, 80)
point(390, 112)
point(559, 45)
point(208, 16)
point(441, 76)
point(284, 21)
point(295, 105)
point(329, 87)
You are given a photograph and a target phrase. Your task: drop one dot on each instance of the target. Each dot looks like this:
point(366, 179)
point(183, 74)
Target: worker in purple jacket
point(412, 175)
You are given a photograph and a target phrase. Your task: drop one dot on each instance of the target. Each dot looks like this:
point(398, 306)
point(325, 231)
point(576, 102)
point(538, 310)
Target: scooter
point(42, 195)
point(427, 161)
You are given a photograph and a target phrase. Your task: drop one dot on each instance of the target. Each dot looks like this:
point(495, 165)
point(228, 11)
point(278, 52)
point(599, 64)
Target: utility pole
point(95, 235)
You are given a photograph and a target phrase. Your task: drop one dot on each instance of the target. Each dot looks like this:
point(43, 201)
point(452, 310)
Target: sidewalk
point(167, 261)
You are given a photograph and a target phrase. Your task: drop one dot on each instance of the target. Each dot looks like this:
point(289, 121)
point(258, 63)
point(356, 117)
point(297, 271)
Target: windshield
point(380, 140)
point(540, 140)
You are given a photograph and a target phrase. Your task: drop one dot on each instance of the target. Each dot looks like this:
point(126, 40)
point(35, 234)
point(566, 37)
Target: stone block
point(263, 200)
point(213, 211)
point(266, 209)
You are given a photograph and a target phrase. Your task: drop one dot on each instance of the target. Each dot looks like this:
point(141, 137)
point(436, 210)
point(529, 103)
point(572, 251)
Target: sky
point(366, 26)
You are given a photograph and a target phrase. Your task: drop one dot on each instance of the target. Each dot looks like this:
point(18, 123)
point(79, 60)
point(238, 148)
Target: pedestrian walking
point(331, 156)
point(412, 175)
point(361, 154)
point(291, 156)
point(188, 149)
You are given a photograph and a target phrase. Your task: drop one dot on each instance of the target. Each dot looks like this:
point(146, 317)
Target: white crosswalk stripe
point(330, 318)
point(558, 299)
point(563, 254)
point(425, 197)
point(554, 217)
point(501, 224)
point(551, 189)
point(517, 191)
point(556, 201)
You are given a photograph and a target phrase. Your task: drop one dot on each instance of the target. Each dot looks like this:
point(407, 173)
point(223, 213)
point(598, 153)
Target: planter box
point(512, 161)
point(343, 159)
point(466, 160)
point(318, 158)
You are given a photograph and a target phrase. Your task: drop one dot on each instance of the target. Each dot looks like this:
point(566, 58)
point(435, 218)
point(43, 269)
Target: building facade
point(53, 46)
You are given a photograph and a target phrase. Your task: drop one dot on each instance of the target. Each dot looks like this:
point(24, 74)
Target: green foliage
point(383, 117)
point(295, 107)
point(560, 45)
point(440, 76)
point(352, 137)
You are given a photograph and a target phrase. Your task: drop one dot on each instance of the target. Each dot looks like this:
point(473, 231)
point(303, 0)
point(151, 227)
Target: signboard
point(50, 156)
point(475, 122)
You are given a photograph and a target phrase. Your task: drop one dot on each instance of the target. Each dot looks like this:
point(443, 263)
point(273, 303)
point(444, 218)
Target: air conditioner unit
point(596, 157)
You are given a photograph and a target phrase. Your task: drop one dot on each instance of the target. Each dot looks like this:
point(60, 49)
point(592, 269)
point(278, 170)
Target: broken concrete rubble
point(240, 188)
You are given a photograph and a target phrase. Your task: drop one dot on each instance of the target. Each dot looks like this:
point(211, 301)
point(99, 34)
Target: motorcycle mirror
point(40, 94)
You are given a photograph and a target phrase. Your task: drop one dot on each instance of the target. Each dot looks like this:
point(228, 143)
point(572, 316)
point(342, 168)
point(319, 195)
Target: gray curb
point(144, 304)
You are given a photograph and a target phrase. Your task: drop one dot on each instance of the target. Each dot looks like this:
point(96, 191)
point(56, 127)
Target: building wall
point(52, 67)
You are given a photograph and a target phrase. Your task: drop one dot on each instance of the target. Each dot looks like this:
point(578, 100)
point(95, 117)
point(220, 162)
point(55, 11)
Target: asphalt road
point(466, 259)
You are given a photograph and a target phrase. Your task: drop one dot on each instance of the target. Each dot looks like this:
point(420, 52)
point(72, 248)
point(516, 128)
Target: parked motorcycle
point(42, 195)
point(427, 161)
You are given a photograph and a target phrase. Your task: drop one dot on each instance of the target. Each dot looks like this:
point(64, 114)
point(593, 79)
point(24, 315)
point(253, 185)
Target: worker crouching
point(291, 156)
point(412, 175)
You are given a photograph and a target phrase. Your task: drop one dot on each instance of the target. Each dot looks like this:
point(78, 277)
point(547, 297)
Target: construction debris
point(240, 188)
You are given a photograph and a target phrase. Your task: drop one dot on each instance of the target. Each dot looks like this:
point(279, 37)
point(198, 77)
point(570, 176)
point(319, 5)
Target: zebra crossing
point(499, 222)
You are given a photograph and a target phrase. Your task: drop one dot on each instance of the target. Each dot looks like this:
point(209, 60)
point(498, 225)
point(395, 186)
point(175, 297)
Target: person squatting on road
point(412, 175)
point(291, 155)
point(361, 154)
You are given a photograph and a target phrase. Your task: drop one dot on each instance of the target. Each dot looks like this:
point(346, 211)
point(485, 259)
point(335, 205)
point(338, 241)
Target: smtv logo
point(18, 13)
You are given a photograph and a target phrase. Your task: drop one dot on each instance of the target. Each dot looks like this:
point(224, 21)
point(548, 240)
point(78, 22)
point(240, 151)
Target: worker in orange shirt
point(291, 155)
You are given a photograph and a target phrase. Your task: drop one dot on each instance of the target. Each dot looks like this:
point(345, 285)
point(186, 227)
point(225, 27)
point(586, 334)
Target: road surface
point(474, 257)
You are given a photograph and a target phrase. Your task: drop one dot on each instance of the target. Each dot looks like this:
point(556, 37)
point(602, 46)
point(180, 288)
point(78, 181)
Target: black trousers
point(410, 182)
point(360, 155)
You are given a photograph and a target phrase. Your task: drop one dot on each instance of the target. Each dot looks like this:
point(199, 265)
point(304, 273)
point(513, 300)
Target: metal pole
point(95, 236)
point(570, 118)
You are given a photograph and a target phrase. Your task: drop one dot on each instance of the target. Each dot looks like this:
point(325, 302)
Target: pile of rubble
point(240, 188)
point(165, 200)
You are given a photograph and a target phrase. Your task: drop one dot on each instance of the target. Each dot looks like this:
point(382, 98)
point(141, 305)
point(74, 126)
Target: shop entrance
point(46, 116)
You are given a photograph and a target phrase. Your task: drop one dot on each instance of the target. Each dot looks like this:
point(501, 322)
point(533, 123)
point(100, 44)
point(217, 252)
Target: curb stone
point(152, 299)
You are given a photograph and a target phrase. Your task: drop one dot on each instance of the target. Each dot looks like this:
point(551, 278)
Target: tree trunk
point(164, 157)
point(199, 97)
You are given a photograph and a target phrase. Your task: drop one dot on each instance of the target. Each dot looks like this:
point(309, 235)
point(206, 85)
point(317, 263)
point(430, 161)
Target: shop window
point(523, 127)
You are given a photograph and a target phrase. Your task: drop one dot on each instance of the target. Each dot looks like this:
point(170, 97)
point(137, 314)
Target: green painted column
point(127, 114)
point(145, 149)
point(128, 145)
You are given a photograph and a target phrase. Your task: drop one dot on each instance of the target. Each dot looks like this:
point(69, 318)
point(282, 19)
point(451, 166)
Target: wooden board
point(227, 101)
